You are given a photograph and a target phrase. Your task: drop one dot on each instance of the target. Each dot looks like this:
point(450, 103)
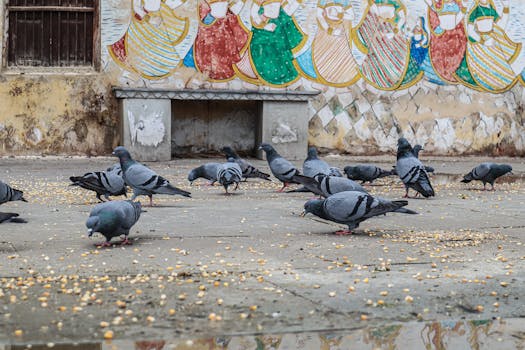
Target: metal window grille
point(51, 33)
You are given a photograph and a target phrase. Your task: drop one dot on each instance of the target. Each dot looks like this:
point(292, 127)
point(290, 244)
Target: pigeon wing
point(283, 169)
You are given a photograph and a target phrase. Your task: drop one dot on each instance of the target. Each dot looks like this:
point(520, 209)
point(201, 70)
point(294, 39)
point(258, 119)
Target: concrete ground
point(204, 270)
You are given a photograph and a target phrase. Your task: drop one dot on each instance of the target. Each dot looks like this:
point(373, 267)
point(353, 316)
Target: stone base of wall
point(446, 120)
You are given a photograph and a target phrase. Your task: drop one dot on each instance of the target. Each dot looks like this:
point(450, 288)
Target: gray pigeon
point(411, 171)
point(353, 207)
point(248, 170)
point(364, 173)
point(281, 168)
point(326, 186)
point(207, 171)
point(113, 219)
point(142, 179)
point(229, 173)
point(9, 194)
point(11, 217)
point(313, 165)
point(487, 173)
point(103, 183)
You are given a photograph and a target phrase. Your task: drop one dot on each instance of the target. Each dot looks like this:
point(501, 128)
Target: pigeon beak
point(303, 214)
point(90, 232)
point(24, 200)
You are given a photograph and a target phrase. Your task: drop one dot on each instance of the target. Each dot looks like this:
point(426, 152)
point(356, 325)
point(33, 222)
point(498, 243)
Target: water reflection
point(479, 334)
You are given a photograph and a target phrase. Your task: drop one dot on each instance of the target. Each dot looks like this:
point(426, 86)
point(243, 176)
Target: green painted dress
point(272, 52)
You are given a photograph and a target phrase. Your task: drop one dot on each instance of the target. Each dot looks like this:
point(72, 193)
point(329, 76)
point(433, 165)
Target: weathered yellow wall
point(44, 114)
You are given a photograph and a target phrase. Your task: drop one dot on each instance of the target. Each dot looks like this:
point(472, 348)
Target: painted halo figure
point(275, 39)
point(332, 55)
point(388, 64)
point(221, 39)
point(448, 39)
point(491, 54)
point(149, 45)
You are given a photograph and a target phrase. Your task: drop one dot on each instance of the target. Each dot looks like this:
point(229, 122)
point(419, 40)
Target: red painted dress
point(447, 46)
point(220, 43)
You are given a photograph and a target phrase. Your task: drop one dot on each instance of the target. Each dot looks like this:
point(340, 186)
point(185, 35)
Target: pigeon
point(365, 173)
point(353, 207)
point(313, 165)
point(113, 219)
point(9, 194)
point(415, 151)
point(11, 217)
point(281, 168)
point(229, 173)
point(207, 171)
point(326, 186)
point(103, 183)
point(142, 179)
point(487, 173)
point(411, 171)
point(248, 170)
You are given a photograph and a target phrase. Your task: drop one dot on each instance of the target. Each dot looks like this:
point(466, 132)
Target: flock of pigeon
point(341, 200)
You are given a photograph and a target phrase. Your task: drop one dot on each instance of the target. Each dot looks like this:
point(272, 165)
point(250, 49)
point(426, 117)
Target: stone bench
point(146, 115)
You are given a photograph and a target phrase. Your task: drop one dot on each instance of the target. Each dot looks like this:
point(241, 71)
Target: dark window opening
point(51, 33)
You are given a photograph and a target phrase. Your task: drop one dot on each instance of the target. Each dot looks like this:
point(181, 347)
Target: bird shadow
point(229, 194)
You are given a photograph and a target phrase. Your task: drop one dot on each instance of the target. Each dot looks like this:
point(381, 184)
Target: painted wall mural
point(389, 44)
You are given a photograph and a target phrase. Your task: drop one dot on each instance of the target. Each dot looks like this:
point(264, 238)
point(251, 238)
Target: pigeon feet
point(282, 188)
point(126, 241)
point(103, 245)
point(343, 232)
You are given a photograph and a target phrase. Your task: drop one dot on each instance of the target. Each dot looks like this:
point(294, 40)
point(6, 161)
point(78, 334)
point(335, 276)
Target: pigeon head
point(266, 147)
point(229, 152)
point(502, 169)
point(194, 174)
point(418, 148)
point(18, 195)
point(349, 171)
point(121, 152)
point(314, 206)
point(403, 147)
point(92, 225)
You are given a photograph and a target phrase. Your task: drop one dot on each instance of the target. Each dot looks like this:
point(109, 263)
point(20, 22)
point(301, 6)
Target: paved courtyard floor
point(247, 272)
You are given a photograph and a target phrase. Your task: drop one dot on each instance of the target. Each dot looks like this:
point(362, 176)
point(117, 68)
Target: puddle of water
point(457, 335)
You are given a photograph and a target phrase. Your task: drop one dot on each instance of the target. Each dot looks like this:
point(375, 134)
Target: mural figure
point(419, 44)
point(275, 39)
point(221, 39)
point(490, 52)
point(448, 39)
point(331, 50)
point(149, 45)
point(379, 36)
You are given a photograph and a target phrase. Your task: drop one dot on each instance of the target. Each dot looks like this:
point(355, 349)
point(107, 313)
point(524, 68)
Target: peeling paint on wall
point(147, 128)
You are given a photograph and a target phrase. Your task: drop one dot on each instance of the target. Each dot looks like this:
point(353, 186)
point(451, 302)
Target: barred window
point(52, 33)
